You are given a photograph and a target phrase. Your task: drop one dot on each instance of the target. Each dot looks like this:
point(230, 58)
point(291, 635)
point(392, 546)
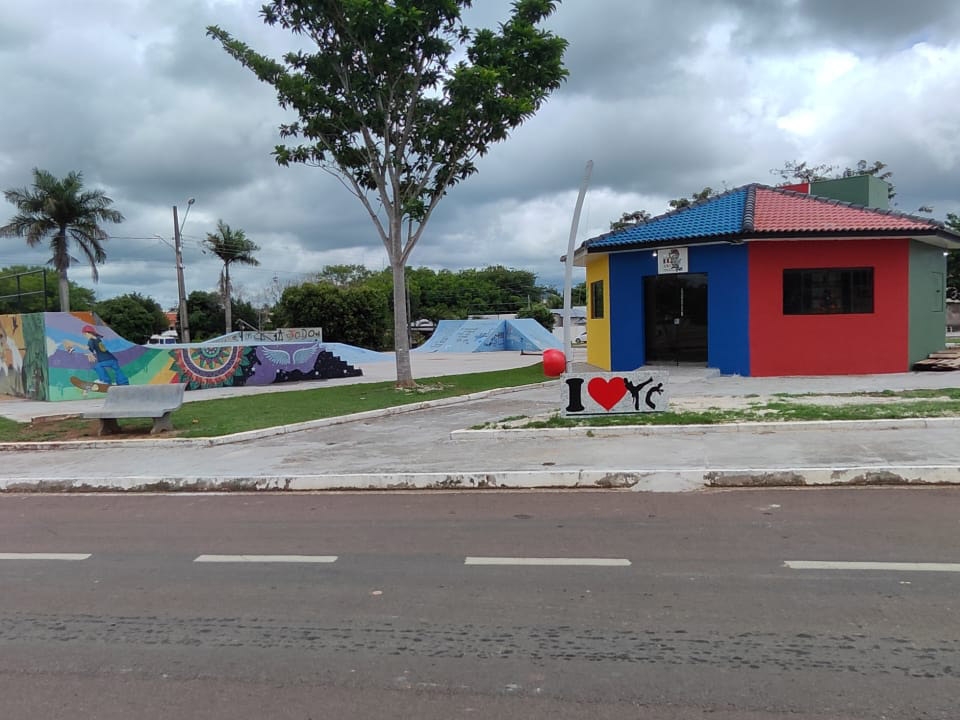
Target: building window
point(596, 299)
point(828, 291)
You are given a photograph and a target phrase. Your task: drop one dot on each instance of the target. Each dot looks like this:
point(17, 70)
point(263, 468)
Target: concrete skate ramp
point(357, 355)
point(469, 336)
point(53, 358)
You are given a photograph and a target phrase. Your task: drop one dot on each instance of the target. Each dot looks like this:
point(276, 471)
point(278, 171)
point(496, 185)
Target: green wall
point(928, 321)
point(861, 190)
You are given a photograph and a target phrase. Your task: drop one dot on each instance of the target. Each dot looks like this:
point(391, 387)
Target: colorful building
point(813, 279)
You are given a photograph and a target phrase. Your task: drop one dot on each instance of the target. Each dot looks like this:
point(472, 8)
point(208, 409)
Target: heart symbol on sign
point(607, 393)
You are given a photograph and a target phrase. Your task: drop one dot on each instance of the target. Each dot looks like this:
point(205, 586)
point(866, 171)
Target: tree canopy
point(630, 218)
point(353, 304)
point(801, 171)
point(22, 290)
point(206, 311)
point(398, 99)
point(638, 216)
point(354, 315)
point(133, 316)
point(59, 210)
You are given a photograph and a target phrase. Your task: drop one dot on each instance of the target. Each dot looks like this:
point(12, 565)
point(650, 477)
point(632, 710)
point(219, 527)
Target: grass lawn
point(211, 418)
point(783, 408)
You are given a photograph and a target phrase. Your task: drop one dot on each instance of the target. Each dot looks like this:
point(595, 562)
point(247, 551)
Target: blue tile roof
point(717, 216)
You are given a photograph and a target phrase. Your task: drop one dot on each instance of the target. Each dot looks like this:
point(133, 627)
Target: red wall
point(829, 344)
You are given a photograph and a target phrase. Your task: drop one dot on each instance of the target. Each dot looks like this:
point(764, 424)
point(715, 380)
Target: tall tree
point(399, 100)
point(231, 246)
point(60, 210)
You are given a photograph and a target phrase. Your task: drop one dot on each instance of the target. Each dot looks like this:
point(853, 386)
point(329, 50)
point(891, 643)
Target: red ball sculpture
point(554, 363)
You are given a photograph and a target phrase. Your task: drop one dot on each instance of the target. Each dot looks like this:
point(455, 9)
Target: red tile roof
point(761, 212)
point(778, 211)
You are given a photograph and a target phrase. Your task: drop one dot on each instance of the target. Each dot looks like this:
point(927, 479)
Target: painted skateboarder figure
point(102, 358)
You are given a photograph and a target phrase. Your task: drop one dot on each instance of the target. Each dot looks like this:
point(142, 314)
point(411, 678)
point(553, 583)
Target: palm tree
point(61, 209)
point(231, 246)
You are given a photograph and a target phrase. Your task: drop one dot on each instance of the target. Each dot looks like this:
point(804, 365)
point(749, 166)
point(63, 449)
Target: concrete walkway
point(433, 447)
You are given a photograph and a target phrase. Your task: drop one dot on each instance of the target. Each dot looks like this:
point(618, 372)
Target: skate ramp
point(51, 359)
point(469, 336)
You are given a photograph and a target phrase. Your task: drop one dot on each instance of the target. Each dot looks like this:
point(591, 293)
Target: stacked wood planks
point(942, 360)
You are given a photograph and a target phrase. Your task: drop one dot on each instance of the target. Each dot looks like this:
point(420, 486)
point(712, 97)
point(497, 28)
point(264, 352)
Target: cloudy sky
point(665, 96)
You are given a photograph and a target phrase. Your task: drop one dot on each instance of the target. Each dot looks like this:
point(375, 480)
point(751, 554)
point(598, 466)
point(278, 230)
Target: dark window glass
point(828, 291)
point(596, 299)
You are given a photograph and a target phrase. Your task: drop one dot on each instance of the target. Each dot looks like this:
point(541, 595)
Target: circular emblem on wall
point(214, 366)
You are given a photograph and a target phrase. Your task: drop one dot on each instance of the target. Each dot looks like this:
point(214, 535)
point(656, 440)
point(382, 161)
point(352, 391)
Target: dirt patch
point(46, 430)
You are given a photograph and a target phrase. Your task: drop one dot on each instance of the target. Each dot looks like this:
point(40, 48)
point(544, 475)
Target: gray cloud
point(665, 97)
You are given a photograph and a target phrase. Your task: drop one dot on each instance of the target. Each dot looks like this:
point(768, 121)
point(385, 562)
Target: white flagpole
point(568, 271)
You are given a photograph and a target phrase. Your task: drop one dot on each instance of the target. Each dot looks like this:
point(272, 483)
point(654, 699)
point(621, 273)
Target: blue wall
point(728, 337)
point(627, 338)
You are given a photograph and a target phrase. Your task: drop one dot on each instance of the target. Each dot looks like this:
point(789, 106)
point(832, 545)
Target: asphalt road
point(385, 605)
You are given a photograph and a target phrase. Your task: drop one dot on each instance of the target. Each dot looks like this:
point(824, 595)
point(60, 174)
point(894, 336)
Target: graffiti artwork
point(613, 393)
point(68, 356)
point(12, 349)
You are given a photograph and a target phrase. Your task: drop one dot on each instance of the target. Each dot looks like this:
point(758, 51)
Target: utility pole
point(182, 294)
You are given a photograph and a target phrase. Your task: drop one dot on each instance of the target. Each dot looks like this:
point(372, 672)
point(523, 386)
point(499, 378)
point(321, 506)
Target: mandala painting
point(215, 366)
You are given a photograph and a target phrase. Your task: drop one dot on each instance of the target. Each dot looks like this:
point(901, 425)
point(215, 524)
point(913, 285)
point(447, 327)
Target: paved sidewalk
point(432, 447)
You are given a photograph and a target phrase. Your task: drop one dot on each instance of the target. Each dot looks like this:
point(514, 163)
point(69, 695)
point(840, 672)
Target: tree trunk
point(401, 334)
point(64, 290)
point(226, 298)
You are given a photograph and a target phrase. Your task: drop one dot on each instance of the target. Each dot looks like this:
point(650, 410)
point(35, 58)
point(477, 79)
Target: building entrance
point(676, 317)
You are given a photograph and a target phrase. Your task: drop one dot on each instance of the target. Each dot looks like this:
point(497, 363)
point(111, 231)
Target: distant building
point(578, 323)
point(578, 316)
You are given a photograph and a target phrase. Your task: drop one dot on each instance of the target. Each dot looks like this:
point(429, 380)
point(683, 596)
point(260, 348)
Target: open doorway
point(676, 318)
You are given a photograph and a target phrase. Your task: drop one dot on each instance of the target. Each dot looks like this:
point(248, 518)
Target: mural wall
point(12, 351)
point(68, 356)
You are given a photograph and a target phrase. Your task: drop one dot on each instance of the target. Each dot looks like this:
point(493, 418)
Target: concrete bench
point(131, 401)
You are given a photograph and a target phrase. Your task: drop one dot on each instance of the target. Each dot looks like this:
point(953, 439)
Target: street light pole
point(181, 288)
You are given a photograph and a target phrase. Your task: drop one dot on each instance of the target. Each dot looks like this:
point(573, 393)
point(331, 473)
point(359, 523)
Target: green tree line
point(351, 303)
point(355, 305)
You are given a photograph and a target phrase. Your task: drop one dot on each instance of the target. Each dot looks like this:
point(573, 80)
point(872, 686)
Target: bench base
point(110, 426)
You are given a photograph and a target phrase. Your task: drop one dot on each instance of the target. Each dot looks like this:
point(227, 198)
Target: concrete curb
point(615, 430)
point(494, 433)
point(262, 432)
point(659, 480)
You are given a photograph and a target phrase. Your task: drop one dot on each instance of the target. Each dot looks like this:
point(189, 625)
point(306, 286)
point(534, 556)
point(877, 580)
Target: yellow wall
point(598, 331)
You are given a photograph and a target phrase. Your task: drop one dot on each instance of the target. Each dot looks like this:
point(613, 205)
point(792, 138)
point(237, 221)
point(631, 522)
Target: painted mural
point(68, 356)
point(12, 351)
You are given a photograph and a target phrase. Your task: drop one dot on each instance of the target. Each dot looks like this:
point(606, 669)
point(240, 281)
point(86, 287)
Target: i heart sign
point(607, 393)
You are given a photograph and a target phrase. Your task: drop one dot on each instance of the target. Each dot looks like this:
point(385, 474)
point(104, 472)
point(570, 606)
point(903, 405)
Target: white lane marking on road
point(903, 566)
point(266, 558)
point(597, 562)
point(44, 556)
